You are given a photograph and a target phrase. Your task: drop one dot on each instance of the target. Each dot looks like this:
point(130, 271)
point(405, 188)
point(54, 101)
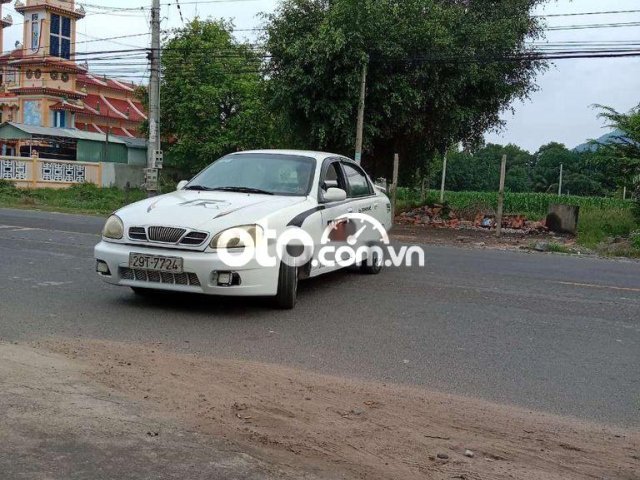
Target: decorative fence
point(43, 172)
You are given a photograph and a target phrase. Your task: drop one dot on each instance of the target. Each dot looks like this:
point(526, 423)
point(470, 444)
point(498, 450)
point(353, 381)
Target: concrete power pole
point(503, 176)
point(154, 153)
point(560, 181)
point(444, 177)
point(361, 106)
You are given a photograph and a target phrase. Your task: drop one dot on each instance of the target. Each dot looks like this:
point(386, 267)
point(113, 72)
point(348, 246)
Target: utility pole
point(560, 182)
point(106, 137)
point(361, 106)
point(503, 176)
point(154, 152)
point(444, 177)
point(394, 186)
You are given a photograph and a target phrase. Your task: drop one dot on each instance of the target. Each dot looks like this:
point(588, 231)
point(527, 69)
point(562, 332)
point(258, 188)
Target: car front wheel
point(372, 266)
point(287, 287)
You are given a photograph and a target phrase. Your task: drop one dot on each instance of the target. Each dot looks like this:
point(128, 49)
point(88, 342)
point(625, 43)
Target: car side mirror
point(182, 184)
point(334, 195)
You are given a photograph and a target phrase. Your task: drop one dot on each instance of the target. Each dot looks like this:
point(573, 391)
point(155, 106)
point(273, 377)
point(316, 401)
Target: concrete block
point(563, 218)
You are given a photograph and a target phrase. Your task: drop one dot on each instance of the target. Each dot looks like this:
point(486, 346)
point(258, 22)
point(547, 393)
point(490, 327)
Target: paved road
point(555, 333)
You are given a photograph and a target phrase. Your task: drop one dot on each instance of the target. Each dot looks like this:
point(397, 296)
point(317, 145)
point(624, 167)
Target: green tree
point(437, 72)
point(212, 96)
point(546, 167)
point(480, 171)
point(622, 150)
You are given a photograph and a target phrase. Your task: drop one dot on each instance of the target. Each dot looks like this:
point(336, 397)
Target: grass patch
point(82, 198)
point(559, 248)
point(597, 225)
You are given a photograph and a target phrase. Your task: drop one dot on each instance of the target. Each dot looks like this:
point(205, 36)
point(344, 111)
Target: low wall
point(118, 175)
point(27, 172)
point(49, 173)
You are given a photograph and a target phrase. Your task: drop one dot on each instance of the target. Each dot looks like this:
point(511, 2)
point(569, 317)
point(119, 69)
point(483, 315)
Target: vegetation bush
point(85, 198)
point(8, 188)
point(596, 225)
point(533, 205)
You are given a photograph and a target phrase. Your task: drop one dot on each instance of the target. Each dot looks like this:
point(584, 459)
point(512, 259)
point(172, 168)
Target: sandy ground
point(57, 424)
point(332, 427)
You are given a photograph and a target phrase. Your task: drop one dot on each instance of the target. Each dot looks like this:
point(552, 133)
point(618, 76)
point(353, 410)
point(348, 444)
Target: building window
point(11, 75)
point(32, 114)
point(35, 32)
point(59, 119)
point(60, 40)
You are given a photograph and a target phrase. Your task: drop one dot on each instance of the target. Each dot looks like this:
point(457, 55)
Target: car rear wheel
point(287, 287)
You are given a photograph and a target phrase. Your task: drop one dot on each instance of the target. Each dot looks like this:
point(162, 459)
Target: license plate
point(155, 262)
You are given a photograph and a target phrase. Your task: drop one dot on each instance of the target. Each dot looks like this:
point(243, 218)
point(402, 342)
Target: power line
point(180, 11)
point(595, 25)
point(579, 14)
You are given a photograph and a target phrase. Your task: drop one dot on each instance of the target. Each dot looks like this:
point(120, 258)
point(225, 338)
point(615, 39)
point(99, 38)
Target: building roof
point(101, 81)
point(134, 142)
point(63, 133)
point(114, 108)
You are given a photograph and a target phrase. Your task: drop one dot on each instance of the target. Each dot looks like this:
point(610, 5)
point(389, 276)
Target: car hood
point(204, 210)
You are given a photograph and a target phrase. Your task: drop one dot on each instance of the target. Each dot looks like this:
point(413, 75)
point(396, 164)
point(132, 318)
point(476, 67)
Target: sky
point(561, 110)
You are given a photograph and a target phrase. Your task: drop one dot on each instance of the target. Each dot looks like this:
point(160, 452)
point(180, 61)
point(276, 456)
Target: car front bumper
point(200, 272)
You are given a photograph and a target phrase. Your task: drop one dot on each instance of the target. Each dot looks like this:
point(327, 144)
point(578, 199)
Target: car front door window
point(357, 182)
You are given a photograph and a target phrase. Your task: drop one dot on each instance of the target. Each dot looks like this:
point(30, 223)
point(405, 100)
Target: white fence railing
point(43, 172)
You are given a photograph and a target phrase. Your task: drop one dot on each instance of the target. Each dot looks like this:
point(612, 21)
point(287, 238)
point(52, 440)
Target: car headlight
point(237, 237)
point(113, 228)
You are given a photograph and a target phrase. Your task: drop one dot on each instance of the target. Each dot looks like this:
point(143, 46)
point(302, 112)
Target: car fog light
point(225, 278)
point(102, 268)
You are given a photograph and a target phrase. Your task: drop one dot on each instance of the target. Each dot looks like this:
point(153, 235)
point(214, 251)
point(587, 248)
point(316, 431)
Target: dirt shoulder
point(58, 424)
point(332, 427)
point(480, 238)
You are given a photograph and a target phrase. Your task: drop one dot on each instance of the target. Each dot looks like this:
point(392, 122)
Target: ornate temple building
point(43, 85)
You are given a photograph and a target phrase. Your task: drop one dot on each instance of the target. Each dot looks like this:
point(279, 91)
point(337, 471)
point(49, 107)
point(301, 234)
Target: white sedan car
point(231, 229)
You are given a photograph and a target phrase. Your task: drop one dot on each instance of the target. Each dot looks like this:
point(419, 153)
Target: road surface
point(549, 332)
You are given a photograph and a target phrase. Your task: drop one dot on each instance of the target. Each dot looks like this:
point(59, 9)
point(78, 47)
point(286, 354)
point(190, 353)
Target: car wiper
point(198, 187)
point(243, 190)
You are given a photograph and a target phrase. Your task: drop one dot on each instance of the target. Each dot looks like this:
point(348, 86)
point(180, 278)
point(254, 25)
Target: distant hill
point(611, 137)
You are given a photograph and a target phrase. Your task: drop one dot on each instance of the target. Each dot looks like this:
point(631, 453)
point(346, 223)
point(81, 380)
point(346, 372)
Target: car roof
point(305, 153)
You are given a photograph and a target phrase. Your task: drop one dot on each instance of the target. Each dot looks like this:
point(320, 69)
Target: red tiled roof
point(119, 131)
point(89, 79)
point(46, 91)
point(114, 108)
point(89, 127)
point(68, 107)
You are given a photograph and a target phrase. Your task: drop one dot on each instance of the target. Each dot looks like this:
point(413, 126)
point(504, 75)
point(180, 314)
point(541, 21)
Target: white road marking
point(52, 284)
point(593, 285)
point(15, 228)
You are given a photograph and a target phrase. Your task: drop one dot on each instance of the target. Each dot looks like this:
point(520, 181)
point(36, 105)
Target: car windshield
point(266, 173)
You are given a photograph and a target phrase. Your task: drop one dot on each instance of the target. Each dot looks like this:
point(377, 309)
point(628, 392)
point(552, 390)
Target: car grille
point(194, 238)
point(188, 279)
point(165, 234)
point(168, 235)
point(138, 233)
